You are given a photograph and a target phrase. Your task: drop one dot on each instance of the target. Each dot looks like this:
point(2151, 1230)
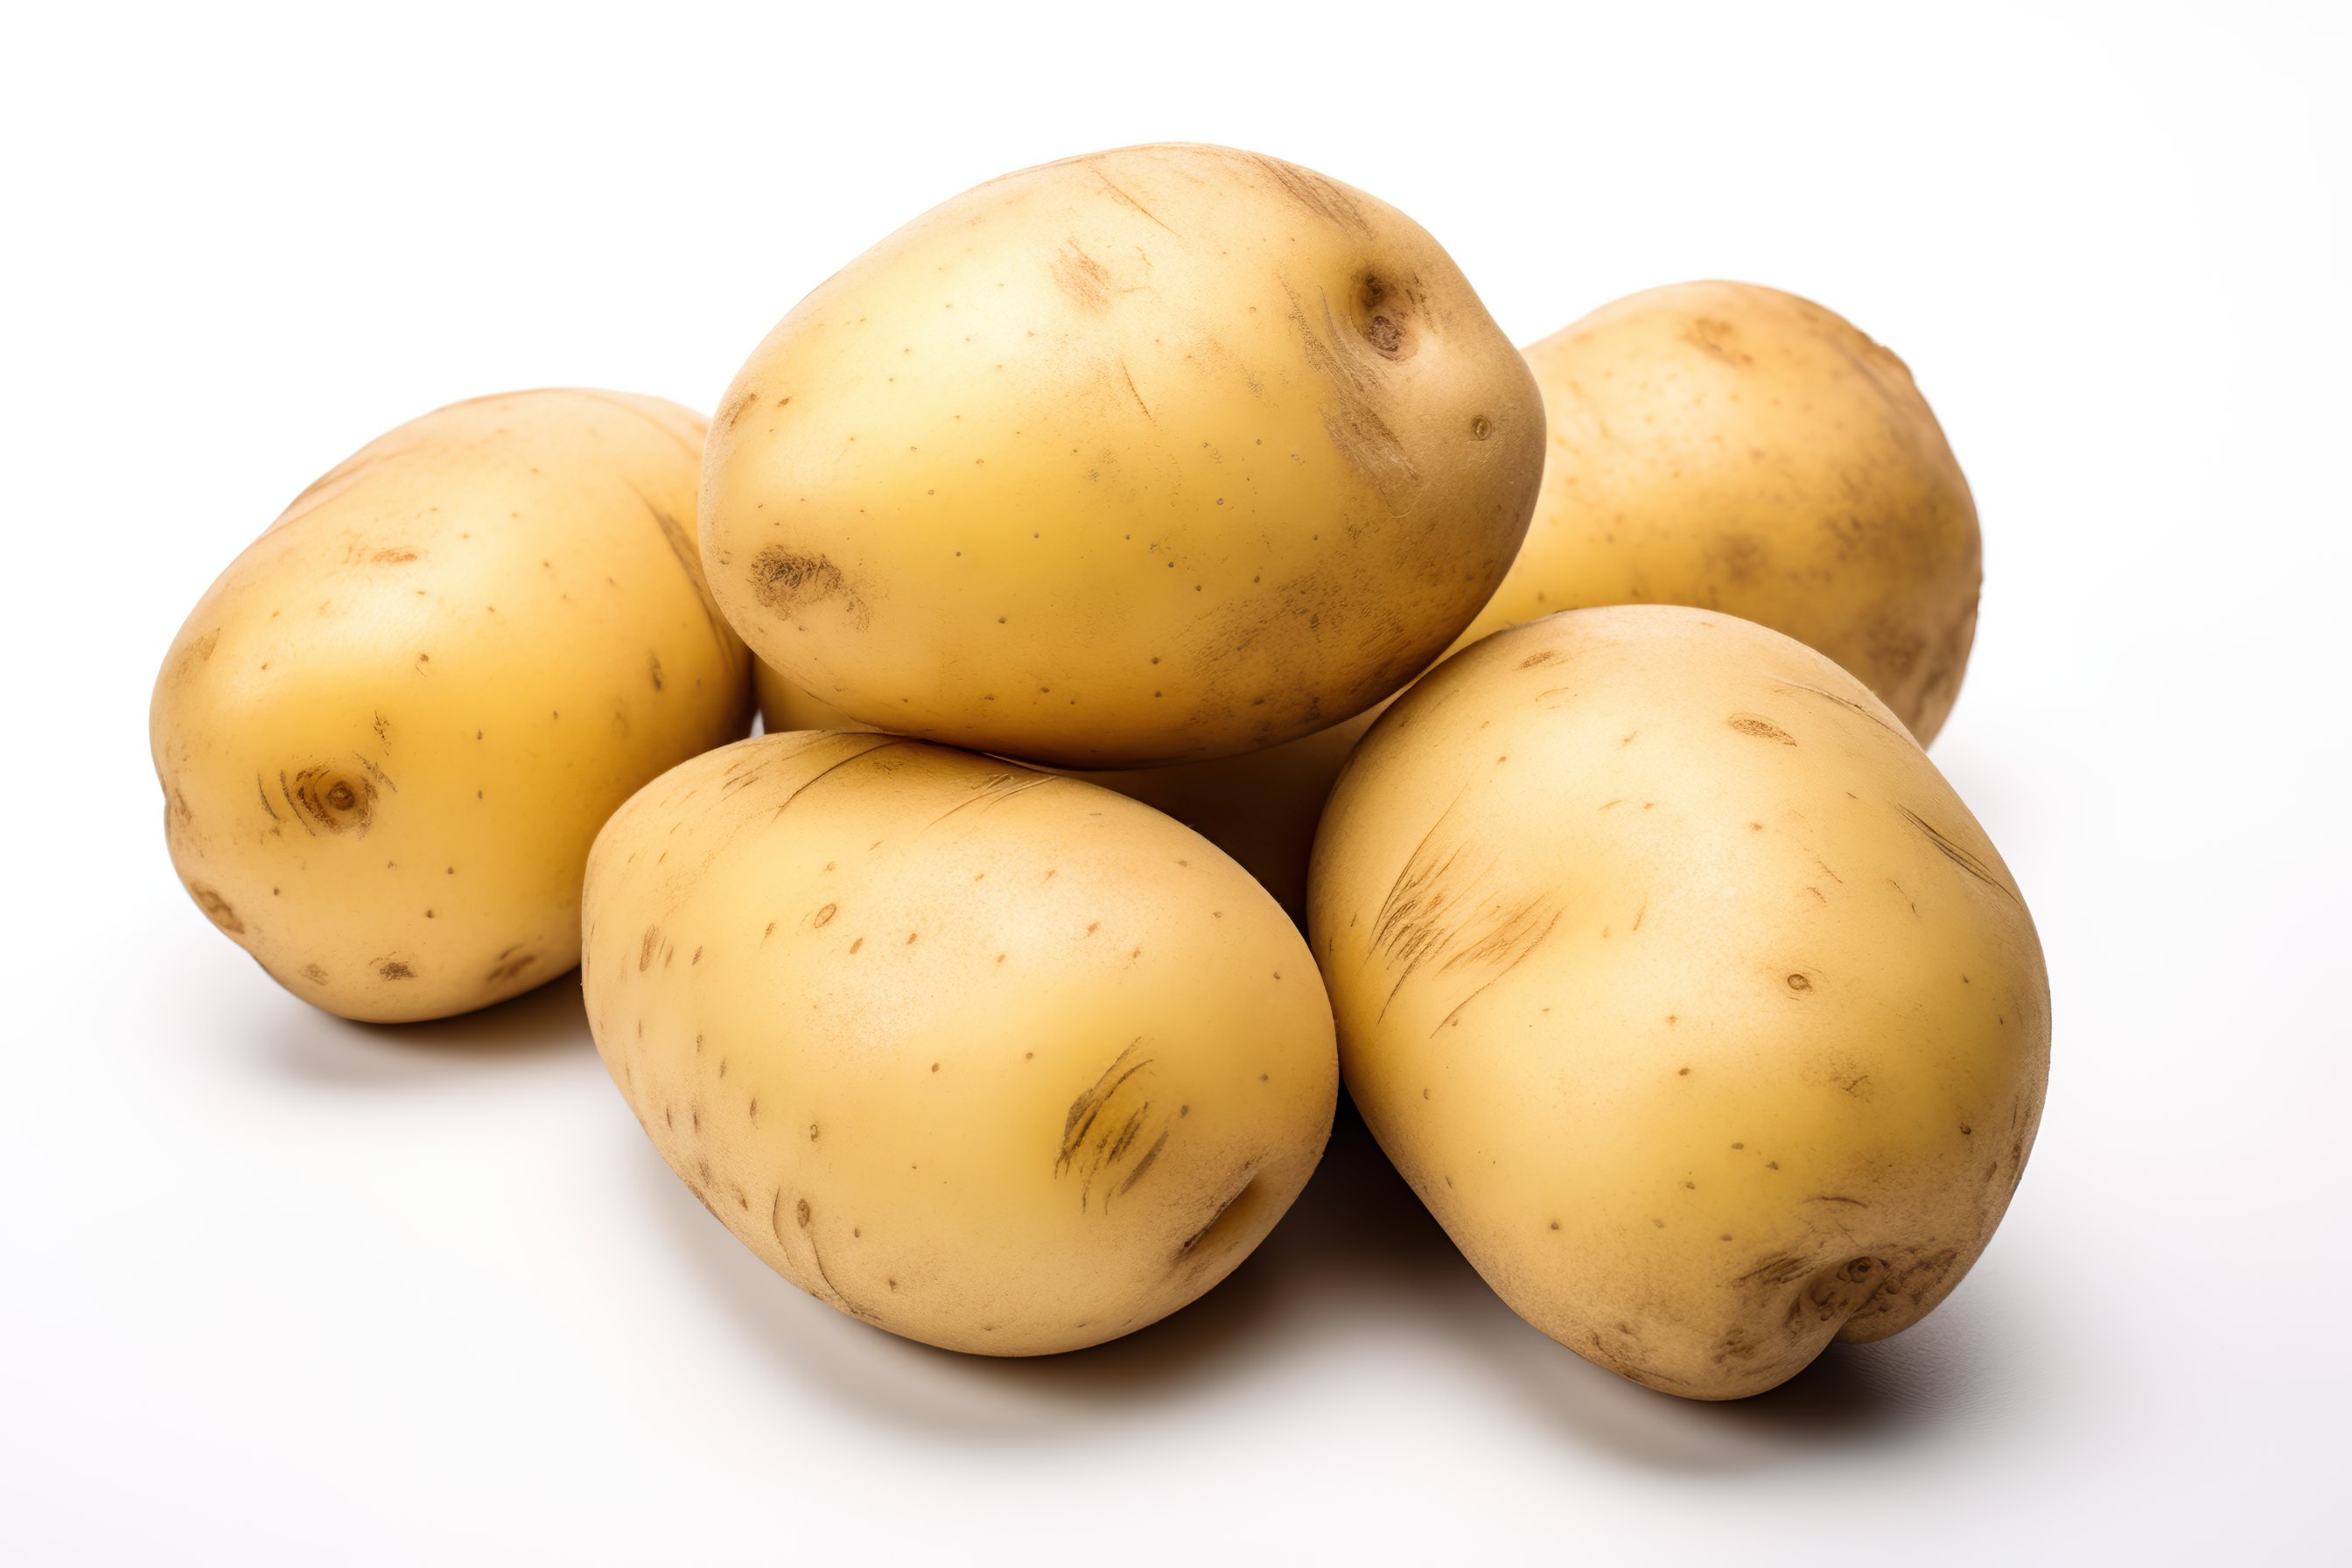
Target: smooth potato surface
point(988, 1058)
point(388, 734)
point(1146, 457)
point(1737, 449)
point(1683, 990)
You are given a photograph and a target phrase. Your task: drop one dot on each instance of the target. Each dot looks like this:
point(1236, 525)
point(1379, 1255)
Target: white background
point(280, 1289)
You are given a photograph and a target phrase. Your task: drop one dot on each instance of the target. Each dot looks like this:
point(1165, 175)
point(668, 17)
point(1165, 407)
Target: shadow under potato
point(322, 1048)
point(1357, 1245)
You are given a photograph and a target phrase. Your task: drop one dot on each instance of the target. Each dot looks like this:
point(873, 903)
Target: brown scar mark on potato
point(788, 583)
point(1800, 982)
point(393, 969)
point(1185, 1249)
point(653, 670)
point(376, 773)
point(1107, 1121)
point(216, 909)
point(314, 974)
point(1845, 702)
point(1129, 376)
point(993, 791)
point(325, 800)
point(1082, 278)
point(1111, 189)
point(1541, 656)
point(827, 772)
point(823, 917)
point(1834, 1198)
point(646, 949)
point(509, 965)
point(1516, 935)
point(804, 1218)
point(1353, 425)
point(261, 788)
point(1762, 729)
point(682, 545)
point(1323, 197)
point(1958, 856)
point(1714, 339)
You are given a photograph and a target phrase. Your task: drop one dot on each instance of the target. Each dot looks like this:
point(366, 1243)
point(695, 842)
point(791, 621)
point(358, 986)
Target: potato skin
point(987, 1058)
point(1144, 456)
point(388, 734)
point(1682, 989)
point(1260, 808)
point(1737, 449)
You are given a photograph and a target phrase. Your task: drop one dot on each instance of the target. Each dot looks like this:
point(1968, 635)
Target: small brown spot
point(1800, 983)
point(823, 916)
point(393, 969)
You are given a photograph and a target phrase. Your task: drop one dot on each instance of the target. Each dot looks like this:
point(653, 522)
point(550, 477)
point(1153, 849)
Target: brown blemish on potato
point(509, 965)
point(647, 948)
point(216, 909)
point(1082, 278)
point(314, 974)
point(1353, 423)
point(325, 800)
point(1761, 728)
point(788, 583)
point(823, 917)
point(393, 969)
point(1715, 338)
point(654, 670)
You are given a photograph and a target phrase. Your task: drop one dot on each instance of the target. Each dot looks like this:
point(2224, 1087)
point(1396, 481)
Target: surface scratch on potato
point(1958, 855)
point(1107, 1122)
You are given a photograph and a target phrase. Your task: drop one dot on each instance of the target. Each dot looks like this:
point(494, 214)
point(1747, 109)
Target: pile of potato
point(1080, 538)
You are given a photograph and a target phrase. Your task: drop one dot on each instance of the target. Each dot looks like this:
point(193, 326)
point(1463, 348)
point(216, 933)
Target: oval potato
point(987, 1058)
point(388, 734)
point(1683, 990)
point(1146, 457)
point(1737, 449)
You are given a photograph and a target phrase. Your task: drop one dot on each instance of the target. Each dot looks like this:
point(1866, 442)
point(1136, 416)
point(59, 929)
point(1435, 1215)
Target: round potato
point(989, 1058)
point(1740, 449)
point(389, 732)
point(1146, 457)
point(1260, 808)
point(1682, 989)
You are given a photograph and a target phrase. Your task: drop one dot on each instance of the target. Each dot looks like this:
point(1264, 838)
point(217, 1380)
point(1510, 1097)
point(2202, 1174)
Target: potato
point(1682, 989)
point(1259, 807)
point(989, 1058)
point(1146, 457)
point(389, 732)
point(1740, 449)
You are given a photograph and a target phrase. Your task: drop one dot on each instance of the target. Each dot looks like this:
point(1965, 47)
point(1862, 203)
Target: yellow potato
point(1146, 457)
point(1259, 807)
point(989, 1058)
point(1683, 991)
point(1740, 449)
point(389, 732)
